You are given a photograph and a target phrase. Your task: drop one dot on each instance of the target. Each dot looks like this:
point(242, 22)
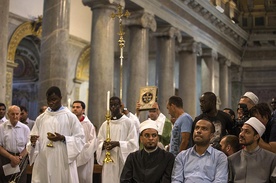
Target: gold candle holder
point(108, 158)
point(50, 144)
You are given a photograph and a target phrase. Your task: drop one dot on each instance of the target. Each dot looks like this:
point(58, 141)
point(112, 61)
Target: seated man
point(201, 163)
point(252, 163)
point(151, 164)
point(229, 144)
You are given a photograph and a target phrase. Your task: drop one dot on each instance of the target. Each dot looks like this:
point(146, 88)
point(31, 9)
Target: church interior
point(183, 47)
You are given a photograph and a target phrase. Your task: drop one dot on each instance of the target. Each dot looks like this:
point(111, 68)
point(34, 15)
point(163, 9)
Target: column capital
point(169, 31)
point(93, 4)
point(223, 60)
point(208, 52)
point(190, 46)
point(141, 18)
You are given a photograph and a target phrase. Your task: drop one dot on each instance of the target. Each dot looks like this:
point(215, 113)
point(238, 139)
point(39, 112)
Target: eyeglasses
point(150, 135)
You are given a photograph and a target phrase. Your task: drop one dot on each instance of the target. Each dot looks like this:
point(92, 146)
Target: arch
point(23, 30)
point(82, 70)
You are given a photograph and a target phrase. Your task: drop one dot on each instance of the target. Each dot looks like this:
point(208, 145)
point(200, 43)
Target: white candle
point(107, 101)
point(69, 103)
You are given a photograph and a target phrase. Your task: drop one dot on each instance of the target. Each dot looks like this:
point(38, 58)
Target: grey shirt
point(257, 166)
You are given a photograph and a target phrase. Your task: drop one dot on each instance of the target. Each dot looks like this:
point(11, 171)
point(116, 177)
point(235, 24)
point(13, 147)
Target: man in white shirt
point(13, 139)
point(85, 160)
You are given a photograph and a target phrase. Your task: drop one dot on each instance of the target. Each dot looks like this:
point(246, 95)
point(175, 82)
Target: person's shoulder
point(268, 153)
point(134, 154)
point(184, 118)
point(199, 117)
point(23, 126)
point(224, 115)
point(217, 152)
point(167, 154)
point(273, 122)
point(126, 120)
point(185, 153)
point(31, 121)
point(235, 155)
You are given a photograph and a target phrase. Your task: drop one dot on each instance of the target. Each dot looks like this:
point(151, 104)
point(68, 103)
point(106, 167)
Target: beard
point(246, 143)
point(201, 141)
point(150, 146)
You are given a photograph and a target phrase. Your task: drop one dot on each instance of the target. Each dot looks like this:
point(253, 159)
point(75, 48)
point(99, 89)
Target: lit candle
point(107, 101)
point(69, 103)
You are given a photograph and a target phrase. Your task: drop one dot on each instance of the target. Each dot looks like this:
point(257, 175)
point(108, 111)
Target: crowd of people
point(62, 145)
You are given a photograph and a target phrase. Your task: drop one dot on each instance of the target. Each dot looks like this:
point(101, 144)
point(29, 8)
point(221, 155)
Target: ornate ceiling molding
point(190, 20)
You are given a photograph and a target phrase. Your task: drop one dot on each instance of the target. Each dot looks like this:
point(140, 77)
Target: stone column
point(54, 49)
point(101, 71)
point(236, 89)
point(224, 82)
point(165, 63)
point(188, 52)
point(4, 21)
point(208, 70)
point(140, 23)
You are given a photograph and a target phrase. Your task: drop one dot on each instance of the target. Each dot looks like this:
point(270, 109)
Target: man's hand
point(110, 145)
point(34, 139)
point(56, 137)
point(15, 160)
point(138, 105)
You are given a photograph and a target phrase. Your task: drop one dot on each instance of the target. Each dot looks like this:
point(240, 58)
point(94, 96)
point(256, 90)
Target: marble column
point(209, 76)
point(139, 23)
point(54, 49)
point(165, 63)
point(188, 52)
point(237, 88)
point(101, 71)
point(224, 92)
point(4, 21)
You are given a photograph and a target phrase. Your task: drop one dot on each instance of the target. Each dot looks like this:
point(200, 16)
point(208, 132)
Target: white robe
point(121, 130)
point(85, 160)
point(57, 164)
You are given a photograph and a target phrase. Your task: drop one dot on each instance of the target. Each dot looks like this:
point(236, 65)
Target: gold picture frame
point(148, 96)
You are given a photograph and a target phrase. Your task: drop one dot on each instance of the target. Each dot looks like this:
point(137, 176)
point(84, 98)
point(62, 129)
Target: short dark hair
point(211, 96)
point(233, 141)
point(53, 90)
point(2, 104)
point(213, 128)
point(81, 102)
point(116, 98)
point(23, 108)
point(232, 113)
point(177, 101)
point(261, 108)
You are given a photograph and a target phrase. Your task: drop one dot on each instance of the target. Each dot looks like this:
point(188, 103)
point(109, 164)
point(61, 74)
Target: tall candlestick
point(107, 101)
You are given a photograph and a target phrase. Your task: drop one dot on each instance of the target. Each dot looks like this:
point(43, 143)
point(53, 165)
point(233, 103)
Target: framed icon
point(148, 96)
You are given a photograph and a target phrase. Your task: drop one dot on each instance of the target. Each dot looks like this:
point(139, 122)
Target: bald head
point(14, 114)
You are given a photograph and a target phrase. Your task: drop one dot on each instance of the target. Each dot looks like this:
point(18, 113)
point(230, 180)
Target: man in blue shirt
point(181, 133)
point(201, 163)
